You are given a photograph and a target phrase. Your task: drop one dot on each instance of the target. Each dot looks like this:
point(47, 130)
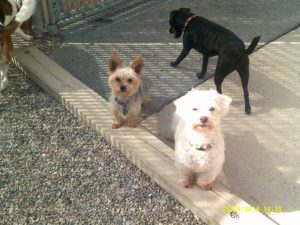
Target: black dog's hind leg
point(224, 67)
point(204, 67)
point(243, 71)
point(183, 54)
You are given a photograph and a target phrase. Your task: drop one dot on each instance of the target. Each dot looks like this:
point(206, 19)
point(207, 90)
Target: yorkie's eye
point(195, 109)
point(129, 80)
point(211, 109)
point(118, 79)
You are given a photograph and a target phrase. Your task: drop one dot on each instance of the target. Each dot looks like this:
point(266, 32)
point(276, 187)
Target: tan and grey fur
point(128, 90)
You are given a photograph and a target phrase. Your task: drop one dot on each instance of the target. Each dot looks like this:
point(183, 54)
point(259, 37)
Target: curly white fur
point(199, 142)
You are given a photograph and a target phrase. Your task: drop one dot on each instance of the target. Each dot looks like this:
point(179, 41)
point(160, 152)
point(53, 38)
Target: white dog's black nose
point(203, 119)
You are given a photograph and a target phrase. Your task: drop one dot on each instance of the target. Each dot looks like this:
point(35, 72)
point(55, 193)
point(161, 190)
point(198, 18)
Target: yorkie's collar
point(188, 21)
point(203, 148)
point(123, 103)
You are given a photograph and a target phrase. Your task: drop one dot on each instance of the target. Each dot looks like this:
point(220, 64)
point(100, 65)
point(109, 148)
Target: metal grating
point(69, 5)
point(70, 11)
point(54, 14)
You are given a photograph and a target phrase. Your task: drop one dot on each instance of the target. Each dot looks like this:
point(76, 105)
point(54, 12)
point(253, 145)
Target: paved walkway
point(143, 29)
point(262, 157)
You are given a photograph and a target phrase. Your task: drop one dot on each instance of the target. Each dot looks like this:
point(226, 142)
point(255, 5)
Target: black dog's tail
point(252, 46)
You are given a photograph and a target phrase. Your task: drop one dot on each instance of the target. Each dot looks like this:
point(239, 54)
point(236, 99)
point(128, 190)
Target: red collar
point(188, 21)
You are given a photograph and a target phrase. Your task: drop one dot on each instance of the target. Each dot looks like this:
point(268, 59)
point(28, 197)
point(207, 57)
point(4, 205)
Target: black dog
point(211, 39)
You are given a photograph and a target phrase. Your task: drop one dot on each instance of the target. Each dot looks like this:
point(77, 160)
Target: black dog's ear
point(185, 9)
point(172, 15)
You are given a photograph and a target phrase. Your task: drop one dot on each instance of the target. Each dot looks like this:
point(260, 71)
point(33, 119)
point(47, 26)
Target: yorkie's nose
point(203, 119)
point(123, 88)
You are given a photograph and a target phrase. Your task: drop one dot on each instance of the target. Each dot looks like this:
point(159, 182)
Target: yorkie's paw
point(173, 64)
point(132, 124)
point(116, 124)
point(132, 121)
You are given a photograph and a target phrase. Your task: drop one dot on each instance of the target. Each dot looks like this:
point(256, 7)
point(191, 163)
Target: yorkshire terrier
point(128, 90)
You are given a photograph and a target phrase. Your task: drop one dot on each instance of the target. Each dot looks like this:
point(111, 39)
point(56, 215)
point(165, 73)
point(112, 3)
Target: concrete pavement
point(262, 150)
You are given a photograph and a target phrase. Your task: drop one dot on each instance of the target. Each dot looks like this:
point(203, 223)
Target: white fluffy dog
point(199, 142)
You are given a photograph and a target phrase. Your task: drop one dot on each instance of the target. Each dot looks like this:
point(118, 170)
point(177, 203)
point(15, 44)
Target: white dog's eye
point(195, 109)
point(211, 109)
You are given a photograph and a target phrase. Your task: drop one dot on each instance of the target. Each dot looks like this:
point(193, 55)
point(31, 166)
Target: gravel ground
point(54, 170)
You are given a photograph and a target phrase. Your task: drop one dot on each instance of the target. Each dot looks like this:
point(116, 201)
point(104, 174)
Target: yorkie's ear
point(138, 65)
point(114, 62)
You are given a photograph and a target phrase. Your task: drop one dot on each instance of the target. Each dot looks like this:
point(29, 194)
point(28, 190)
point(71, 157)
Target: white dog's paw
point(187, 183)
point(204, 184)
point(187, 180)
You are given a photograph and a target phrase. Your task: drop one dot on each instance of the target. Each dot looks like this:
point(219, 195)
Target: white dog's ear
point(182, 104)
point(223, 102)
point(180, 109)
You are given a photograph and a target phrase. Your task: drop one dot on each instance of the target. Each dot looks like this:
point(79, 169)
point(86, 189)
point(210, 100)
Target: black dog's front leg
point(182, 55)
point(204, 67)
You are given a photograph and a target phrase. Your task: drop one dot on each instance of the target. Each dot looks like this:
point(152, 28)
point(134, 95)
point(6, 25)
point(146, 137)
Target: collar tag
point(122, 103)
point(125, 111)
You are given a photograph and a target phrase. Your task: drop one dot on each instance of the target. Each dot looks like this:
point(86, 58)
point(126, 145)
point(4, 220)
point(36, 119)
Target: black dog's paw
point(200, 75)
point(248, 111)
point(173, 64)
